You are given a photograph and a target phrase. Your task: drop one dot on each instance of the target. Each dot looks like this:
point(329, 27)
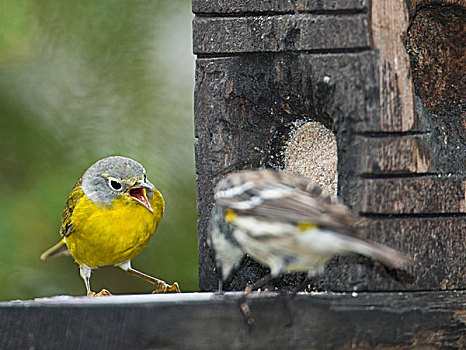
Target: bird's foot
point(162, 287)
point(247, 313)
point(102, 293)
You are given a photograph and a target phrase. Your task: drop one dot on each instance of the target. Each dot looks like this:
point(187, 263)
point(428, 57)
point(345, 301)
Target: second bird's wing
point(284, 197)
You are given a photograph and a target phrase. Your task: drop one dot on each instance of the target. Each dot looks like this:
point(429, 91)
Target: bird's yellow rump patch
point(304, 226)
point(230, 215)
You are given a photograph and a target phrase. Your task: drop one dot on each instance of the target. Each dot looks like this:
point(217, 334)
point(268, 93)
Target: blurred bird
point(285, 223)
point(110, 216)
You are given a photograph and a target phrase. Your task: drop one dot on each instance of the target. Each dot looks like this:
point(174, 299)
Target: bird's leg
point(301, 286)
point(161, 286)
point(288, 297)
point(220, 290)
point(264, 281)
point(85, 272)
point(244, 307)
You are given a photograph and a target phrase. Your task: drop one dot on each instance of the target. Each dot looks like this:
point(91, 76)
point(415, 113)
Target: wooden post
point(262, 67)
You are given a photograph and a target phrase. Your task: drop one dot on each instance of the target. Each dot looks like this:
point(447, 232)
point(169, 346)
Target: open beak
point(138, 192)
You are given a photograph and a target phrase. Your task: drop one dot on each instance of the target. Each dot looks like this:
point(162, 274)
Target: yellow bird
point(110, 216)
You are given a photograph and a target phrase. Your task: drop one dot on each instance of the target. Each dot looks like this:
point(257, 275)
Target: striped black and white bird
point(286, 223)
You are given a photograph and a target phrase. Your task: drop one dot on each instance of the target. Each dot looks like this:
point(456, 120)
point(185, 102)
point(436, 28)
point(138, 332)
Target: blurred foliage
point(80, 81)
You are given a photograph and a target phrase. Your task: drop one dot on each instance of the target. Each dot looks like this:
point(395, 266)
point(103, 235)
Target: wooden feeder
point(386, 79)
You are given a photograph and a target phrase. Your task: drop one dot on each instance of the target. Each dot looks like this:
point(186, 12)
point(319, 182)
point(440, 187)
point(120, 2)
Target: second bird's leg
point(263, 282)
point(245, 310)
point(161, 286)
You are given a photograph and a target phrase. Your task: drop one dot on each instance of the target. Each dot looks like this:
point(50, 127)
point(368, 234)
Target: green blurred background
point(80, 81)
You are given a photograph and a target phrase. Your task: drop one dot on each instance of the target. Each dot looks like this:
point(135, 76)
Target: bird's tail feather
point(388, 256)
point(58, 249)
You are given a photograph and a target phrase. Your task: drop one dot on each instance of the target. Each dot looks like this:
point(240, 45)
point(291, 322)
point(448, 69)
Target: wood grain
point(393, 155)
point(418, 195)
point(301, 32)
point(389, 25)
point(225, 7)
point(206, 321)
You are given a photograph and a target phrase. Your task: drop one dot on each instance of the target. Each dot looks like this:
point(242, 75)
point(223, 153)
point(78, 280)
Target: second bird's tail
point(386, 255)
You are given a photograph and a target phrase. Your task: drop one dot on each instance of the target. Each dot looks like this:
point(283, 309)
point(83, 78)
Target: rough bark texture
point(324, 321)
point(263, 66)
point(436, 44)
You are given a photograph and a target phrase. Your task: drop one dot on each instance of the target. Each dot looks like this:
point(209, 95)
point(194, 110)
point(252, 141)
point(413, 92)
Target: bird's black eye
point(114, 184)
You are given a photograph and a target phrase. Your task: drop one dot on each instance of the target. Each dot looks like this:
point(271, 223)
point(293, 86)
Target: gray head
point(115, 177)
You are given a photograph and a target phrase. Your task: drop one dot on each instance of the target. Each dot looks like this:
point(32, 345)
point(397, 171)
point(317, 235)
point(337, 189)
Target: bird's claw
point(162, 287)
point(102, 293)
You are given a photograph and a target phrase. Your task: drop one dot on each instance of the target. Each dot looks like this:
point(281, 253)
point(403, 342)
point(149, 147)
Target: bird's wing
point(285, 197)
point(76, 194)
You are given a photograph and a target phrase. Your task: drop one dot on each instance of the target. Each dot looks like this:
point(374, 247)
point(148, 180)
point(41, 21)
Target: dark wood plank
point(242, 7)
point(392, 155)
point(213, 35)
point(421, 195)
point(440, 151)
point(332, 5)
point(206, 321)
point(389, 23)
point(275, 6)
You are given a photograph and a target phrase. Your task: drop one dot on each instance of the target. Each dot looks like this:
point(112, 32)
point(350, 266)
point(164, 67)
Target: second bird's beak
point(138, 192)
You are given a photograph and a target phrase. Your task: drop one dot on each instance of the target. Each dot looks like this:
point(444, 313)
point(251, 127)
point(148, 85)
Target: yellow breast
point(109, 236)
